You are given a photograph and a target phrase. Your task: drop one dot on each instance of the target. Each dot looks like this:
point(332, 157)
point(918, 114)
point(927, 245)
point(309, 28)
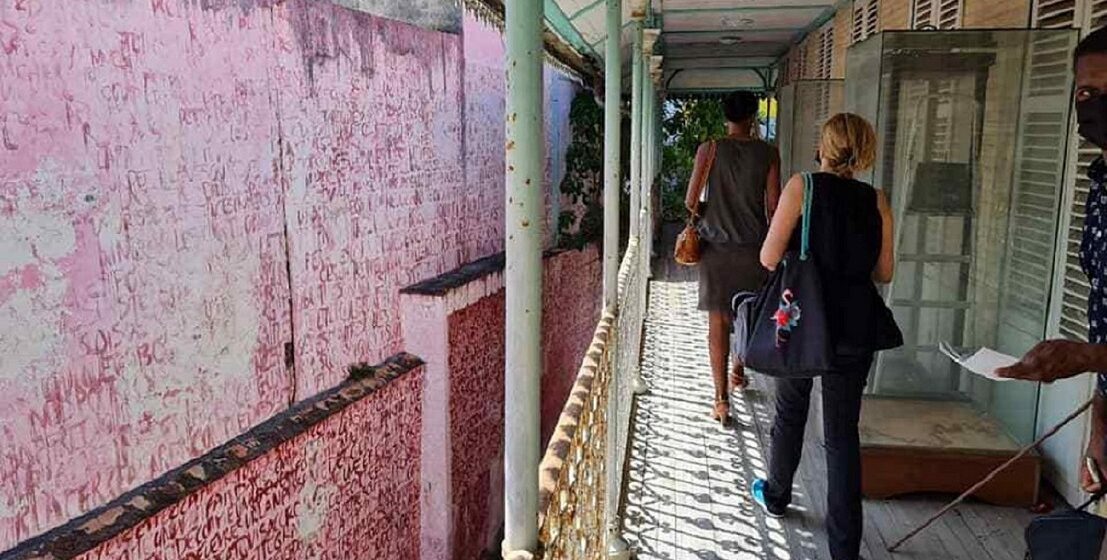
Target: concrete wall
point(207, 210)
point(342, 489)
point(461, 331)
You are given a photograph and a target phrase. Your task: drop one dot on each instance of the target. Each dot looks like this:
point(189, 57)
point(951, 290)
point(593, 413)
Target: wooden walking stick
point(991, 475)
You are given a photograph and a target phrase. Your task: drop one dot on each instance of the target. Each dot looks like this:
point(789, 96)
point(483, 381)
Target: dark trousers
point(841, 411)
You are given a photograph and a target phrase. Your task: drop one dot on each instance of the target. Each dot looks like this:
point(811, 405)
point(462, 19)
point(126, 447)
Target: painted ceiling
point(707, 44)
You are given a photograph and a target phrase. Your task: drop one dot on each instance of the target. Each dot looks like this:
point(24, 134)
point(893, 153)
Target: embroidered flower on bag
point(787, 317)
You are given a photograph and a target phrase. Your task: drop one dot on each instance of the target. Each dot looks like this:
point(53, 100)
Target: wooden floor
point(688, 478)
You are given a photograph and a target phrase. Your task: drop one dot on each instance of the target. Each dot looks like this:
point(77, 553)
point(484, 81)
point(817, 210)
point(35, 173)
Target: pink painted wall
point(571, 307)
point(570, 310)
point(485, 93)
point(190, 189)
point(143, 297)
point(343, 489)
point(485, 90)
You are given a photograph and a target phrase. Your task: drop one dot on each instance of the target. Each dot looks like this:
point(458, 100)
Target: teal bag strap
point(808, 194)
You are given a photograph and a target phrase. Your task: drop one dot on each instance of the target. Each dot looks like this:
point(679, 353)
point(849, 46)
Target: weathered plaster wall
point(343, 489)
point(476, 423)
point(570, 310)
point(143, 294)
point(571, 307)
point(164, 166)
point(375, 178)
point(485, 92)
point(206, 211)
point(482, 206)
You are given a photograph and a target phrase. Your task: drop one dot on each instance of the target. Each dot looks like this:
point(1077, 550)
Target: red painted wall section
point(343, 489)
point(570, 310)
point(571, 306)
point(153, 155)
point(476, 336)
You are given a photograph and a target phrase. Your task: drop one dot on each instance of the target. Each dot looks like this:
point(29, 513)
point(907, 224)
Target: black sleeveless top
point(846, 236)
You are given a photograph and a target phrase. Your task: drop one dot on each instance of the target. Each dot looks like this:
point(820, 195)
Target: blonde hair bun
point(848, 143)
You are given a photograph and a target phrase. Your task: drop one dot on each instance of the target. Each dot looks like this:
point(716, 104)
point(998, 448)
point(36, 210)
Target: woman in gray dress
point(742, 189)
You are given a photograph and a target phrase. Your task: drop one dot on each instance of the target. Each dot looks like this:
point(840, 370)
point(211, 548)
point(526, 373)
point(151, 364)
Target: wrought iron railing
point(581, 476)
point(573, 474)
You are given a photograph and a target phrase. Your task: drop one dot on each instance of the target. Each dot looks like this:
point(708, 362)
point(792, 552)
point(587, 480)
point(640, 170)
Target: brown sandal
point(721, 413)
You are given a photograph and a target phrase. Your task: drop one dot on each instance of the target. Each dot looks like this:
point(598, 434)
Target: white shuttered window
point(939, 14)
point(825, 61)
point(866, 22)
point(1071, 316)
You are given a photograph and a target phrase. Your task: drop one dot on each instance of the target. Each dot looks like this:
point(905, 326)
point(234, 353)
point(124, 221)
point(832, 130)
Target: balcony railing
point(581, 476)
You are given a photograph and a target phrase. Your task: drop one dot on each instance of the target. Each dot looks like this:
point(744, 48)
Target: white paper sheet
point(983, 362)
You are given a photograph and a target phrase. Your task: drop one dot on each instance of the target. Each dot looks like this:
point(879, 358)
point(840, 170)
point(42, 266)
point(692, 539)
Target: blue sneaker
point(757, 490)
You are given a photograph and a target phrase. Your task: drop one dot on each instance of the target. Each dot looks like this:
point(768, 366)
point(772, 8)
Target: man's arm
point(1061, 359)
point(1058, 359)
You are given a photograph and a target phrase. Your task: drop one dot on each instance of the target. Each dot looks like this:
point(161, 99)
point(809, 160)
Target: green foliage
point(582, 222)
point(687, 123)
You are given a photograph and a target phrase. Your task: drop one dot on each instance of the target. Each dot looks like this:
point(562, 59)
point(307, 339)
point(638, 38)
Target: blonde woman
point(851, 242)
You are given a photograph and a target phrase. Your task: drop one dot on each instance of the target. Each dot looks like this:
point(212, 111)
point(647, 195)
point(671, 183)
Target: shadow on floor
point(687, 478)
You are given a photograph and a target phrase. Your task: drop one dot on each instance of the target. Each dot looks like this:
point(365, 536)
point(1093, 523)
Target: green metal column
point(613, 85)
point(637, 85)
point(647, 149)
point(523, 275)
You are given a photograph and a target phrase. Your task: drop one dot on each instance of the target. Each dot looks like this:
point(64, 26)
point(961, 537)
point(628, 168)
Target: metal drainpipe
point(523, 276)
point(636, 120)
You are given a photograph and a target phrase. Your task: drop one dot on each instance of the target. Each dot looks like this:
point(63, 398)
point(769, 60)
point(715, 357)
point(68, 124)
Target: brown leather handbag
point(688, 248)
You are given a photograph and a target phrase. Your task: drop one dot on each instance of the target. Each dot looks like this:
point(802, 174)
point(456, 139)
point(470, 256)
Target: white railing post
point(637, 115)
point(611, 142)
point(649, 39)
point(523, 276)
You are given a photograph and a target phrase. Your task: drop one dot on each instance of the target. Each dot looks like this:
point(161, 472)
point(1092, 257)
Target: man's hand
point(1096, 453)
point(1052, 360)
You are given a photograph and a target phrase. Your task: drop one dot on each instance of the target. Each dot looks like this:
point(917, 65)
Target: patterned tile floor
point(687, 478)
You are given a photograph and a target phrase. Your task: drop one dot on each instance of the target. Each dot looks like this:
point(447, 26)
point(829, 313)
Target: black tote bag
point(1068, 535)
point(786, 329)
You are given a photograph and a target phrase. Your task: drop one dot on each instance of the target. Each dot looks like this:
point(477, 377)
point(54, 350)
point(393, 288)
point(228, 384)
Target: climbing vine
point(582, 186)
point(687, 123)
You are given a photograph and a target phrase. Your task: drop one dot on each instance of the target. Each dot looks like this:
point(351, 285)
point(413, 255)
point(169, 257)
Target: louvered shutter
point(857, 33)
point(872, 18)
point(801, 66)
point(1072, 319)
point(1097, 15)
point(941, 14)
point(948, 15)
point(1055, 14)
point(825, 61)
point(1040, 156)
point(866, 17)
point(922, 14)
